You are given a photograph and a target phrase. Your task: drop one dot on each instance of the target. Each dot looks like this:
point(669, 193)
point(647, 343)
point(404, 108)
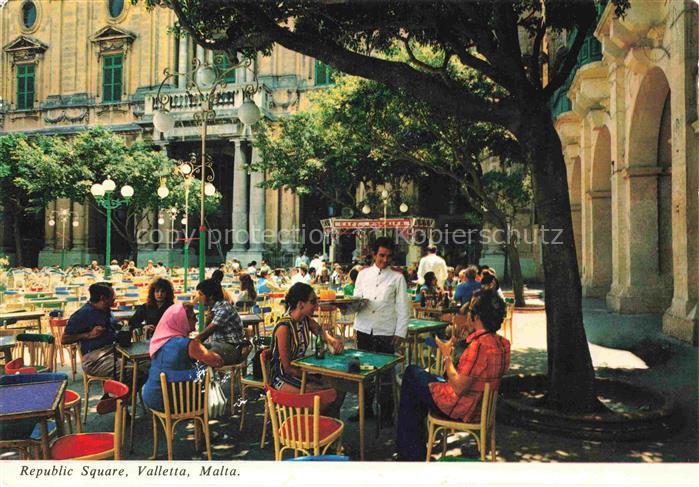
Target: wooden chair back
point(507, 322)
point(186, 399)
point(264, 361)
point(483, 431)
point(296, 420)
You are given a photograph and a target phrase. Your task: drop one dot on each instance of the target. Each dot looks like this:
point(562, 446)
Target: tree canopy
point(36, 171)
point(504, 42)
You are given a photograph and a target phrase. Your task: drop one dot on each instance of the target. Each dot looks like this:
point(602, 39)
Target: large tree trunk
point(516, 271)
point(570, 372)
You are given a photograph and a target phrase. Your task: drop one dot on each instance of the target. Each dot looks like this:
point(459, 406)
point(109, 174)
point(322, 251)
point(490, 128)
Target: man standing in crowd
point(382, 323)
point(432, 263)
point(316, 263)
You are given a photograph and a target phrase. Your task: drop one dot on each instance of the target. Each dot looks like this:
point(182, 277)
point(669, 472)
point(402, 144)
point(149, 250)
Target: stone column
point(641, 289)
point(288, 221)
point(79, 232)
point(257, 207)
point(681, 319)
point(82, 252)
point(183, 60)
point(617, 129)
point(201, 54)
point(598, 264)
point(240, 198)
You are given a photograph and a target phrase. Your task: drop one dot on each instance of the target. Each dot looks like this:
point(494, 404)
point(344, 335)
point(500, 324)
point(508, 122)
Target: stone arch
point(647, 181)
point(600, 177)
point(644, 127)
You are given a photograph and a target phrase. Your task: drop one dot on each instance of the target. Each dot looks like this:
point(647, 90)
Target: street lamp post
point(103, 193)
point(173, 214)
point(366, 209)
point(204, 84)
point(62, 216)
point(187, 170)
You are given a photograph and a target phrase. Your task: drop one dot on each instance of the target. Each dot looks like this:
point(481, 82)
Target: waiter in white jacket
point(432, 263)
point(382, 323)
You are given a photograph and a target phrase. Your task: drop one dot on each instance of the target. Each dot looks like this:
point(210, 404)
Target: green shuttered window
point(25, 86)
point(112, 73)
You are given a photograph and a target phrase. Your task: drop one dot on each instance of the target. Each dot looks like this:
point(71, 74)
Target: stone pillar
point(617, 135)
point(257, 207)
point(200, 54)
point(240, 198)
point(681, 319)
point(183, 60)
point(640, 289)
point(79, 233)
point(596, 206)
point(598, 263)
point(288, 221)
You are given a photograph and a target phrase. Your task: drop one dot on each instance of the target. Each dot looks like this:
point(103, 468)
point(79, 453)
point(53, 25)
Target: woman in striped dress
point(291, 340)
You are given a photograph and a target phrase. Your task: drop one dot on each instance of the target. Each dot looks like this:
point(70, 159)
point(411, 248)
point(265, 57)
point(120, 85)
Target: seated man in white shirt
point(382, 323)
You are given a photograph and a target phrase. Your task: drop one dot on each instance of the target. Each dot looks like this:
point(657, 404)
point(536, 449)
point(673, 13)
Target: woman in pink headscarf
point(172, 349)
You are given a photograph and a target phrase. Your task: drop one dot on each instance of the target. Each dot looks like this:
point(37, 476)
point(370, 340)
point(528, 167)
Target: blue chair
point(319, 458)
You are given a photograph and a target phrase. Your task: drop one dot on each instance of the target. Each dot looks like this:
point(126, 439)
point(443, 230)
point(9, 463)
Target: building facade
point(629, 130)
point(67, 65)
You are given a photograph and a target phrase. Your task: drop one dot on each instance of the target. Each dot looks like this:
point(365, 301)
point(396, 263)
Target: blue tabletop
point(28, 398)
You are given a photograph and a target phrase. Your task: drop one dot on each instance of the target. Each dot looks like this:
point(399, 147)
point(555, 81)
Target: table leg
point(134, 393)
point(360, 399)
point(377, 398)
point(45, 439)
point(121, 369)
point(303, 382)
point(396, 396)
point(60, 415)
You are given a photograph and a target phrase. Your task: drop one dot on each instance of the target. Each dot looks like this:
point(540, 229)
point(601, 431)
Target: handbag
point(217, 400)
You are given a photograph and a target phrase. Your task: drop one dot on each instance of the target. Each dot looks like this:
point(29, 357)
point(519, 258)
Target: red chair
point(97, 446)
point(71, 407)
point(16, 366)
point(297, 424)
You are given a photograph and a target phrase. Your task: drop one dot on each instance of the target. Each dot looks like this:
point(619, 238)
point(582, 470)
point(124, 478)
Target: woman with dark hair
point(490, 281)
point(161, 296)
point(291, 339)
point(247, 289)
point(459, 396)
point(224, 325)
point(428, 294)
point(217, 276)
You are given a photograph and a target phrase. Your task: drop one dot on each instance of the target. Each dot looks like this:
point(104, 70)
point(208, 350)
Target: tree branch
point(426, 86)
point(534, 61)
point(557, 80)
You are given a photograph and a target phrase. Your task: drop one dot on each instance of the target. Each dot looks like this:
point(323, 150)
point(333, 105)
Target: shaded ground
point(659, 363)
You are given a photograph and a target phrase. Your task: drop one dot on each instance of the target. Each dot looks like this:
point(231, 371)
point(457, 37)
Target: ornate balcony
point(183, 105)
